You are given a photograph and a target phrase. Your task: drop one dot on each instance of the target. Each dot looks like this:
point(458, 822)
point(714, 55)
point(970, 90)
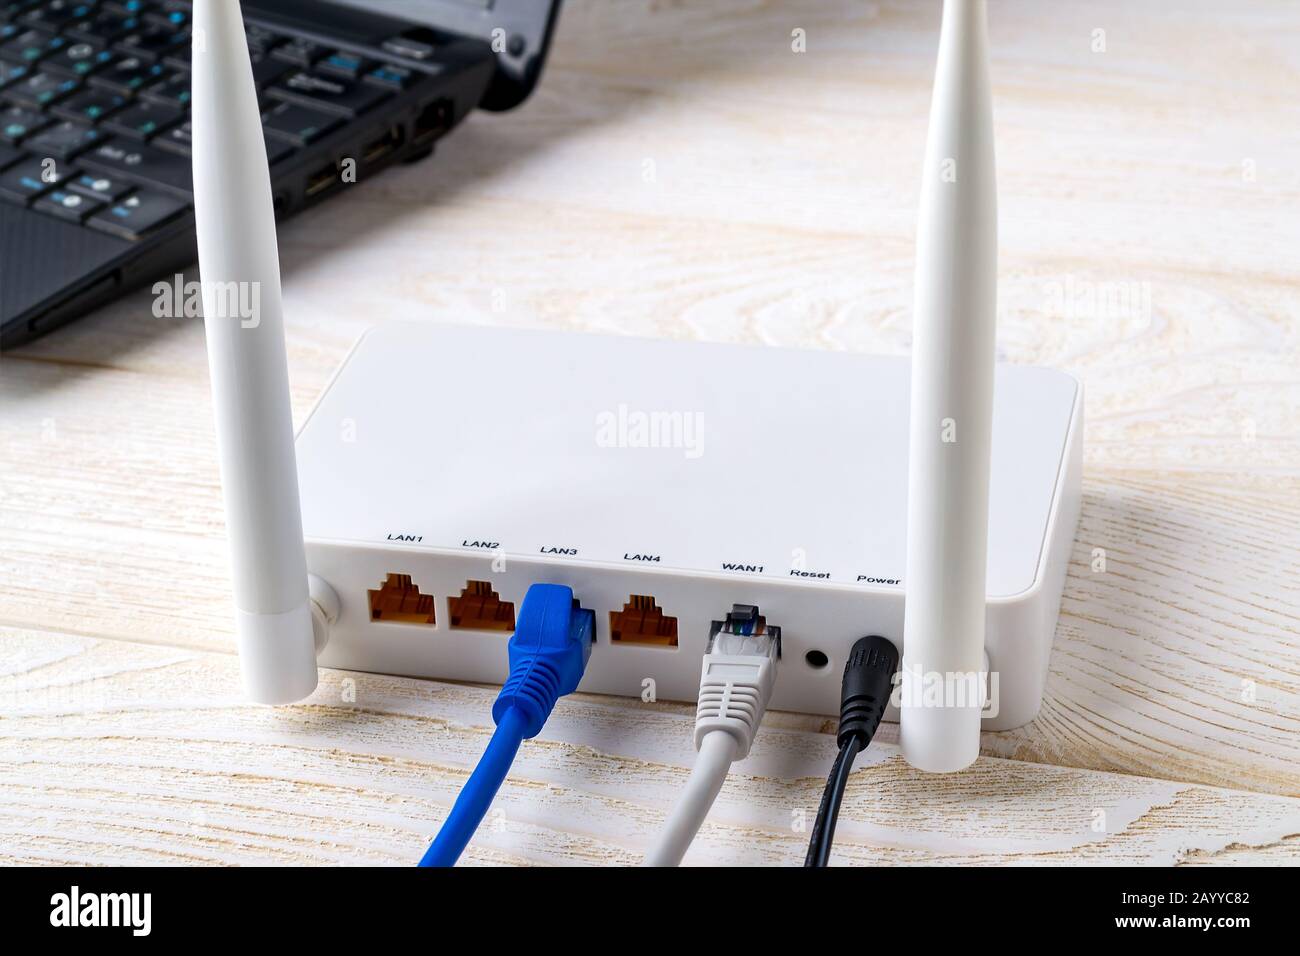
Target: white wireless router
point(447, 468)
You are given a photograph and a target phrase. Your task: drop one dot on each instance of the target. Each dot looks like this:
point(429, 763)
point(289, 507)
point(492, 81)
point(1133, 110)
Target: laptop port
point(433, 121)
point(384, 146)
point(322, 179)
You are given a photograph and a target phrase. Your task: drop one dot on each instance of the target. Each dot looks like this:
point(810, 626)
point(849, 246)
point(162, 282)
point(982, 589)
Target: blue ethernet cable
point(548, 654)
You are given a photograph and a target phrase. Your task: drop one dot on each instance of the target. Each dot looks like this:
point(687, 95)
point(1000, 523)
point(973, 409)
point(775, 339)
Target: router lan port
point(643, 622)
point(399, 601)
point(479, 608)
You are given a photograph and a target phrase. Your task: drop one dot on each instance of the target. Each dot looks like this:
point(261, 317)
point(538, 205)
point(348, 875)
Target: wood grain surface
point(682, 172)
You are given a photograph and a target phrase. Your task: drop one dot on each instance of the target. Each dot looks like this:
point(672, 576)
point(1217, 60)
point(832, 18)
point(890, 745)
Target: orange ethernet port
point(642, 622)
point(399, 601)
point(479, 608)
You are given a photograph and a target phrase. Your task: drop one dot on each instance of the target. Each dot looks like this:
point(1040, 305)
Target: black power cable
point(864, 693)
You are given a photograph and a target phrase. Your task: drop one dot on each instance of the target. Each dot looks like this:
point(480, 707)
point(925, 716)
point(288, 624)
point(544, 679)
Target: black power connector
point(864, 694)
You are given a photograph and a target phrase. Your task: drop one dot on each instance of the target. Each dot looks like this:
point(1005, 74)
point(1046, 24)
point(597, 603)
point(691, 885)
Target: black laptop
point(95, 185)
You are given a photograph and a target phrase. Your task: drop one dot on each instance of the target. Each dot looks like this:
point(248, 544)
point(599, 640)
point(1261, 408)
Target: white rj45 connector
point(736, 681)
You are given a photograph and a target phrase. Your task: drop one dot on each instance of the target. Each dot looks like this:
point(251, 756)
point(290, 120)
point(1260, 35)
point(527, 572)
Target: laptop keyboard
point(95, 96)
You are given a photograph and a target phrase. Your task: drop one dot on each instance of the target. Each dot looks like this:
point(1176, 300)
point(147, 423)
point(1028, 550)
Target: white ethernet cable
point(736, 683)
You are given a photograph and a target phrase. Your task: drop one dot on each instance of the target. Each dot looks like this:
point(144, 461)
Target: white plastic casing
point(240, 269)
point(953, 347)
point(457, 453)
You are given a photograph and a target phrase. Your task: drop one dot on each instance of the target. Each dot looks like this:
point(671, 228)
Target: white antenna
point(952, 407)
point(240, 270)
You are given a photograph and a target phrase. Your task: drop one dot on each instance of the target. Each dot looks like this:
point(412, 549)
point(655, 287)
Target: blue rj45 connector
point(548, 655)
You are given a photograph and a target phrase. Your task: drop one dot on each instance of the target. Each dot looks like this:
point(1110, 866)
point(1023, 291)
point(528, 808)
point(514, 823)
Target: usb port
point(322, 179)
point(433, 121)
point(385, 145)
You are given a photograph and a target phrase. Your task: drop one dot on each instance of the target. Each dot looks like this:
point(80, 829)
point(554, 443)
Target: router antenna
point(951, 407)
point(240, 270)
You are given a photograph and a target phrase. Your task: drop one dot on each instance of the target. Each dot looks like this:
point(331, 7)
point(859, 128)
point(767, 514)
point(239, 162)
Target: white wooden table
point(683, 173)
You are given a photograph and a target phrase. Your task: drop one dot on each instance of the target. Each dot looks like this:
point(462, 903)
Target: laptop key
point(300, 52)
point(103, 188)
point(9, 155)
point(328, 93)
point(18, 122)
point(144, 120)
point(132, 7)
point(394, 77)
point(67, 205)
point(42, 89)
point(138, 213)
point(409, 49)
point(299, 124)
point(143, 164)
point(65, 140)
point(90, 105)
point(12, 9)
point(78, 59)
point(128, 75)
point(174, 91)
point(12, 72)
point(172, 14)
point(57, 14)
point(266, 71)
point(31, 178)
point(345, 64)
point(178, 139)
point(276, 150)
point(178, 59)
point(32, 46)
point(261, 40)
point(104, 26)
point(152, 43)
